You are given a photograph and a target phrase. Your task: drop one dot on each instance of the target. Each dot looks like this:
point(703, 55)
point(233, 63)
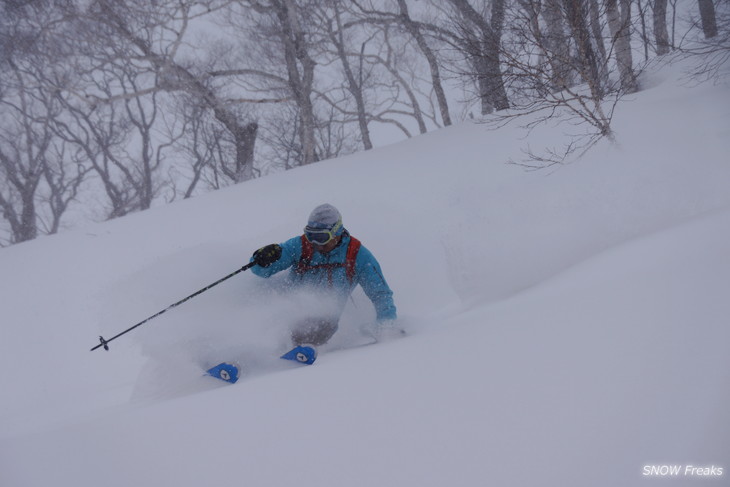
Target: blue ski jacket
point(328, 272)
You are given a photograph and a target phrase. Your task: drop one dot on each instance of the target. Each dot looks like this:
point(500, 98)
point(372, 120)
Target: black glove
point(265, 256)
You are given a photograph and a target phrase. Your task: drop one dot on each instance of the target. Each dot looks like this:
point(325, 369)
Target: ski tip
point(303, 354)
point(225, 371)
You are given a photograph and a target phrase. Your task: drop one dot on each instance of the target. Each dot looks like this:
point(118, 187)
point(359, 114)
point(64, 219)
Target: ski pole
point(105, 343)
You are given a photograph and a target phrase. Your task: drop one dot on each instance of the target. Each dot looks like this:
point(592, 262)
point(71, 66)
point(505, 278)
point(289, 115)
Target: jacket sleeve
point(291, 252)
point(371, 278)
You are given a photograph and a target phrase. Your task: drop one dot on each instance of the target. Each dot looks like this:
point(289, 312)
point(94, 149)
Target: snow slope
point(566, 327)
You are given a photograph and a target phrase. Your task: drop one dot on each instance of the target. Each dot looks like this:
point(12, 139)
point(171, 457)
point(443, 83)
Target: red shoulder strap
point(307, 252)
point(352, 251)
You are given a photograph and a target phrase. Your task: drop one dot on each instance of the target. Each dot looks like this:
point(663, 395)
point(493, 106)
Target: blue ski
point(225, 371)
point(304, 354)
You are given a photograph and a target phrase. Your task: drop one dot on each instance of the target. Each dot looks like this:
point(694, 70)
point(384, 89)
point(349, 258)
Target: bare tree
point(479, 40)
point(587, 61)
point(101, 135)
point(280, 29)
point(376, 82)
point(142, 114)
point(120, 134)
point(597, 26)
point(354, 75)
point(545, 85)
point(619, 21)
point(415, 29)
point(201, 146)
point(391, 32)
point(386, 62)
point(708, 42)
point(378, 18)
point(646, 42)
point(300, 70)
point(24, 140)
point(555, 40)
point(661, 34)
point(38, 179)
point(140, 28)
point(399, 89)
point(709, 20)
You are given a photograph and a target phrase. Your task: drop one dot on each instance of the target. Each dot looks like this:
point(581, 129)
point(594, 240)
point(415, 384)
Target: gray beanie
point(325, 216)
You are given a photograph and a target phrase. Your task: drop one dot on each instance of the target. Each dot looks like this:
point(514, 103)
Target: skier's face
point(323, 249)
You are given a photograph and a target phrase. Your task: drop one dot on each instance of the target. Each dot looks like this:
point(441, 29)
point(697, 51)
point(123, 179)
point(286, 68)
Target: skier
point(326, 258)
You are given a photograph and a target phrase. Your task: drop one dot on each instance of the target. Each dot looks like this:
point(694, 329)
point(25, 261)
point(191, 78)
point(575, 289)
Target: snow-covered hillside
point(566, 327)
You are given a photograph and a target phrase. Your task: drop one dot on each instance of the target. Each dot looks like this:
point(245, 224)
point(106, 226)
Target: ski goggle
point(322, 236)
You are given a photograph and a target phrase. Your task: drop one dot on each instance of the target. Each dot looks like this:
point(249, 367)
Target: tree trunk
point(644, 37)
point(557, 45)
point(620, 24)
point(300, 82)
point(597, 32)
point(485, 54)
point(23, 227)
point(245, 136)
point(433, 64)
point(24, 180)
point(589, 70)
point(28, 227)
point(709, 21)
point(660, 27)
point(499, 93)
point(353, 86)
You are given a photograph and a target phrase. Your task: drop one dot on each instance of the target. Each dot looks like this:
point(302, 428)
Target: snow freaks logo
point(681, 471)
